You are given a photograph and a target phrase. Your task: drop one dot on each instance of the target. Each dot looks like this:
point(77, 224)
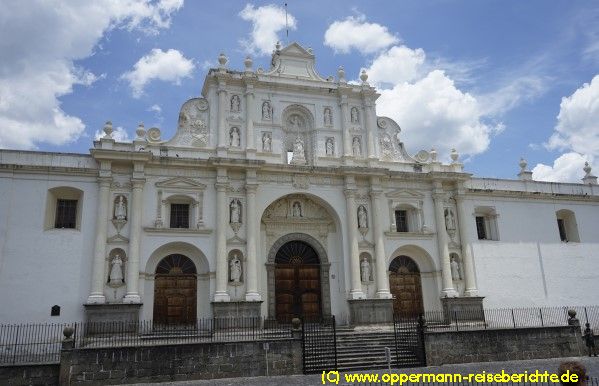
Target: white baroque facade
point(282, 194)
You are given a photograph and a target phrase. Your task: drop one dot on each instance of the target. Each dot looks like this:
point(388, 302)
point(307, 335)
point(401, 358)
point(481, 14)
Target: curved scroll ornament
point(192, 130)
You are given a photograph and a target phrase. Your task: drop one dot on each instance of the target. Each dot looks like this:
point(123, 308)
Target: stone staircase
point(364, 348)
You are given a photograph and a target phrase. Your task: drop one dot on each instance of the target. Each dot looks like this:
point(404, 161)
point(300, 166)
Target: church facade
point(282, 194)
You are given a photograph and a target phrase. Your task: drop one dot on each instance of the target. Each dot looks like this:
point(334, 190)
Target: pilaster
point(447, 283)
point(354, 258)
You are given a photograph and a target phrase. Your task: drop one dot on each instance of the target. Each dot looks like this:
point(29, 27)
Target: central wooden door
point(406, 287)
point(297, 282)
point(175, 289)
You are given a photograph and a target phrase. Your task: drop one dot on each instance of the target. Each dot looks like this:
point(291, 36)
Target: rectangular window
point(179, 215)
point(480, 228)
point(562, 229)
point(66, 214)
point(401, 220)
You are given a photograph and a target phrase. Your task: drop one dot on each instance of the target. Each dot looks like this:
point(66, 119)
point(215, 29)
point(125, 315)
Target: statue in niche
point(365, 270)
point(456, 273)
point(328, 117)
point(449, 219)
point(330, 147)
point(266, 142)
point(235, 139)
point(355, 118)
point(362, 217)
point(266, 111)
point(297, 209)
point(298, 147)
point(235, 103)
point(116, 270)
point(120, 209)
point(357, 147)
point(235, 212)
point(235, 269)
point(295, 122)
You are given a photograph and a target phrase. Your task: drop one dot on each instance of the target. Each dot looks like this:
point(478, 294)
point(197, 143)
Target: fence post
point(14, 356)
point(541, 313)
point(586, 316)
point(455, 318)
point(513, 318)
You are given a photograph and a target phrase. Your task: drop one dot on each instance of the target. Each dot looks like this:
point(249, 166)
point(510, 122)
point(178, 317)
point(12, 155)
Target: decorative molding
point(410, 235)
point(177, 231)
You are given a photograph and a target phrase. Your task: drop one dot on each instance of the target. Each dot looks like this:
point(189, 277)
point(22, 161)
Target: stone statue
point(235, 209)
point(120, 209)
point(295, 122)
point(362, 217)
point(298, 147)
point(266, 142)
point(455, 269)
point(297, 209)
point(266, 110)
point(356, 146)
point(235, 103)
point(449, 220)
point(235, 140)
point(116, 270)
point(235, 269)
point(354, 115)
point(330, 149)
point(365, 269)
point(328, 117)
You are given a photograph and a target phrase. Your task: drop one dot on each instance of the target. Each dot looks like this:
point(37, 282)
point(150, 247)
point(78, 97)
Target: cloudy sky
point(497, 79)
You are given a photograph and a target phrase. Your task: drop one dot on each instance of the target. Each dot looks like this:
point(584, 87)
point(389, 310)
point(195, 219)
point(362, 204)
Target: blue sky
point(496, 79)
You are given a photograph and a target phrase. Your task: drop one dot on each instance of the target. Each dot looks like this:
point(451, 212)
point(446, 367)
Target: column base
point(101, 318)
point(449, 293)
point(221, 151)
point(253, 297)
point(96, 299)
point(384, 295)
point(250, 153)
point(356, 295)
point(464, 308)
point(221, 297)
point(471, 293)
point(132, 299)
point(370, 311)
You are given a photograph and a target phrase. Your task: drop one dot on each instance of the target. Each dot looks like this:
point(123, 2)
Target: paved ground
point(592, 365)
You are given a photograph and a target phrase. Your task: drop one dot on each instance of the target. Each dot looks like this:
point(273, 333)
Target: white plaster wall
point(40, 268)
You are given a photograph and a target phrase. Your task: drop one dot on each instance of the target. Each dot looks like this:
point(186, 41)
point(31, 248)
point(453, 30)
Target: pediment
point(294, 49)
point(117, 239)
point(405, 194)
point(295, 62)
point(180, 183)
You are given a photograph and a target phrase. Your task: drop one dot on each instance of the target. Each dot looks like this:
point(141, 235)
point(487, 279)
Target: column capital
point(221, 88)
point(221, 186)
point(138, 183)
point(251, 187)
point(104, 181)
point(376, 192)
point(350, 193)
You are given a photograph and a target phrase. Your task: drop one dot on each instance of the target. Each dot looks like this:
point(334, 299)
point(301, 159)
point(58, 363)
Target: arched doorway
point(406, 286)
point(297, 282)
point(175, 290)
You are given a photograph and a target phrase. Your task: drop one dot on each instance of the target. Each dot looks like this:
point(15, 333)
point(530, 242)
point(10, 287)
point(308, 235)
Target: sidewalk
point(592, 365)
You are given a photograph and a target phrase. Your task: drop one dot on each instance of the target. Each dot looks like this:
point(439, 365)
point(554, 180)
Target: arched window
point(63, 208)
point(566, 226)
point(486, 223)
point(180, 213)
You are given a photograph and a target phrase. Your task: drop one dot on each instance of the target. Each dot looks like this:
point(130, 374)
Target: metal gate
point(319, 345)
point(409, 340)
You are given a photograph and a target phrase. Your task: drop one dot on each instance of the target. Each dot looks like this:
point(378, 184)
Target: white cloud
point(266, 21)
point(356, 33)
point(119, 135)
point(577, 126)
point(397, 65)
point(566, 168)
point(39, 41)
point(169, 66)
point(433, 112)
point(155, 108)
point(510, 95)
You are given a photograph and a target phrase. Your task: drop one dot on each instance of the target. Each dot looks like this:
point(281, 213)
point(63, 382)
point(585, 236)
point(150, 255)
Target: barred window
point(179, 215)
point(480, 228)
point(66, 214)
point(401, 220)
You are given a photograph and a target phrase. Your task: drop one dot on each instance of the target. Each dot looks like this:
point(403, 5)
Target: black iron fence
point(319, 345)
point(502, 318)
point(30, 343)
point(408, 331)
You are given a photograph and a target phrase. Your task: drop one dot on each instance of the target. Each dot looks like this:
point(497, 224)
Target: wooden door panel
point(297, 291)
point(407, 292)
point(175, 299)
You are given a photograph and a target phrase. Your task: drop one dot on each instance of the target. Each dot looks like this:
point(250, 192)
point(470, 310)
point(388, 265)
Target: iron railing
point(509, 318)
point(319, 345)
point(30, 343)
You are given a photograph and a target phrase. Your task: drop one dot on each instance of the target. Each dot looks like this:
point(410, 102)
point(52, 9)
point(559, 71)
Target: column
point(354, 258)
point(249, 118)
point(222, 106)
point(132, 295)
point(382, 281)
point(347, 150)
point(97, 289)
point(222, 216)
point(370, 122)
point(463, 224)
point(251, 268)
point(448, 290)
